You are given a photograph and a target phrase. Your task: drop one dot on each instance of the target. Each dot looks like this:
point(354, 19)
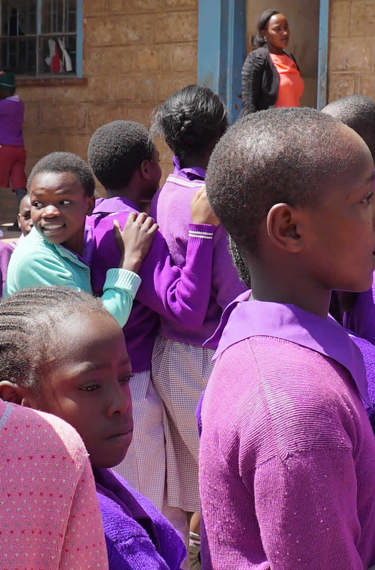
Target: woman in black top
point(270, 75)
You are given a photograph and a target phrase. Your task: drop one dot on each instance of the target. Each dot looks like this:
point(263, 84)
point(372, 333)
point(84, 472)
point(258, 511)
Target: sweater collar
point(114, 204)
point(243, 319)
point(190, 173)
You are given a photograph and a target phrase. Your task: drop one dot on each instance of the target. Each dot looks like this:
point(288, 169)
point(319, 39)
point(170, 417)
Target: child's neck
point(289, 288)
point(127, 192)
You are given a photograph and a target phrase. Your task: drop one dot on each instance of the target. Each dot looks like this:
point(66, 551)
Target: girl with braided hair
point(191, 120)
point(54, 347)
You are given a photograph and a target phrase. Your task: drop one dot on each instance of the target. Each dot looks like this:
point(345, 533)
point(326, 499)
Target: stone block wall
point(351, 63)
point(135, 54)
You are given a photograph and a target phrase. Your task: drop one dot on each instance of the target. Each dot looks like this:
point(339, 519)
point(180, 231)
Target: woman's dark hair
point(191, 120)
point(65, 162)
point(29, 338)
point(263, 20)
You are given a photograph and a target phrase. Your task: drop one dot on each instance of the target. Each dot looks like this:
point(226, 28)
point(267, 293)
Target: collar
point(243, 319)
point(114, 204)
point(190, 173)
point(76, 258)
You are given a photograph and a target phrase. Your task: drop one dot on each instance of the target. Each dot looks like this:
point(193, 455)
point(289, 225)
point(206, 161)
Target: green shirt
point(36, 262)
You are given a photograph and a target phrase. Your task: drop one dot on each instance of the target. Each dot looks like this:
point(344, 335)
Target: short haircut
point(279, 155)
point(65, 162)
point(191, 120)
point(29, 338)
point(358, 112)
point(116, 150)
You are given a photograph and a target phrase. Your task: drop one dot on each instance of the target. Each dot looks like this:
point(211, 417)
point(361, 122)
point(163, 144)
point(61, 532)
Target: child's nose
point(51, 210)
point(121, 400)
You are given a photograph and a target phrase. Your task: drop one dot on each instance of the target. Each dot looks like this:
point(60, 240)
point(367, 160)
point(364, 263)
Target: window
point(41, 37)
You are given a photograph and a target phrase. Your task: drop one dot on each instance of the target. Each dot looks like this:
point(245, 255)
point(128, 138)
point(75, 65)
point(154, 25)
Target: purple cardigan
point(293, 461)
point(11, 121)
point(6, 251)
point(179, 294)
point(171, 208)
point(138, 537)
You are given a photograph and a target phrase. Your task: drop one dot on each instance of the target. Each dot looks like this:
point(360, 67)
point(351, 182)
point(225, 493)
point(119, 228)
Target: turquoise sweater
point(36, 262)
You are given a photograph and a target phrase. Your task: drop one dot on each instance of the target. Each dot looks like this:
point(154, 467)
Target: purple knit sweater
point(287, 458)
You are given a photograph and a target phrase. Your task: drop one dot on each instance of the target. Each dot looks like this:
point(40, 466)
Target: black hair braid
point(29, 340)
point(239, 263)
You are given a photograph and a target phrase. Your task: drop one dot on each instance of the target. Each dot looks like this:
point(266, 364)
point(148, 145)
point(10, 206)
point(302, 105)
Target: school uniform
point(136, 533)
point(180, 364)
point(287, 458)
point(181, 294)
point(12, 151)
point(361, 317)
point(6, 251)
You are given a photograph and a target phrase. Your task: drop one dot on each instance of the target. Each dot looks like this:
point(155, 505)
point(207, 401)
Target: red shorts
point(12, 166)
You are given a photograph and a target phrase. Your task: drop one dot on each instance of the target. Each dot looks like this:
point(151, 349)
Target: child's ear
point(283, 225)
point(10, 392)
point(144, 169)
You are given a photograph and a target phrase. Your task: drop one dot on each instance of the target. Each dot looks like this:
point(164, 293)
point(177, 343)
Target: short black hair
point(262, 22)
point(191, 120)
point(65, 162)
point(29, 338)
point(116, 150)
point(358, 112)
point(287, 155)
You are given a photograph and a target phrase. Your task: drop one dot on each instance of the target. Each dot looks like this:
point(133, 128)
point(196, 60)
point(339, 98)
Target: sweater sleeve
point(306, 508)
point(135, 553)
point(119, 290)
point(179, 294)
point(252, 73)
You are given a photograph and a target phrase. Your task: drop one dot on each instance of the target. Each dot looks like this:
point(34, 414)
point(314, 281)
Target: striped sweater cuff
point(118, 278)
point(201, 231)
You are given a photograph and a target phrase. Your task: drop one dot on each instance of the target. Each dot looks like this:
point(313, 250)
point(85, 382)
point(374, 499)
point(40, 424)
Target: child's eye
point(125, 379)
point(89, 387)
point(368, 198)
point(65, 202)
point(36, 204)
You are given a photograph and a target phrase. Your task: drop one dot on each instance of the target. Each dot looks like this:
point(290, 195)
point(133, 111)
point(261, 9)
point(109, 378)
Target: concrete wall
point(351, 62)
point(303, 18)
point(135, 54)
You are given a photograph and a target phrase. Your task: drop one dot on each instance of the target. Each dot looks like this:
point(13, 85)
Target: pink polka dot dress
point(49, 514)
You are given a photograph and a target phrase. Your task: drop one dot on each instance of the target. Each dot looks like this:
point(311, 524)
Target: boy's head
point(54, 355)
point(191, 121)
point(299, 183)
point(61, 189)
point(24, 220)
point(358, 112)
point(120, 150)
point(7, 84)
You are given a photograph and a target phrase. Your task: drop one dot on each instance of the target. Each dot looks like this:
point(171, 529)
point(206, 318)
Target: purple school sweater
point(171, 208)
point(180, 294)
point(6, 251)
point(138, 537)
point(361, 317)
point(287, 457)
point(11, 121)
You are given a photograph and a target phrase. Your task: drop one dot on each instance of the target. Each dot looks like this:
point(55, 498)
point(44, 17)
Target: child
point(12, 151)
point(124, 159)
point(287, 452)
point(77, 380)
point(24, 220)
point(6, 251)
point(56, 251)
point(358, 112)
point(192, 120)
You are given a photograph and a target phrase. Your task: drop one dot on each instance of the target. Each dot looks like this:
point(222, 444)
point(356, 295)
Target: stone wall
point(135, 54)
point(351, 64)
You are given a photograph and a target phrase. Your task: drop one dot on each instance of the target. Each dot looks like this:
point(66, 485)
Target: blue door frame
point(222, 50)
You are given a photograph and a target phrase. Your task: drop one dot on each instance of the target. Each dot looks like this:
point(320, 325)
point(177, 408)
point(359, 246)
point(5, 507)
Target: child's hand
point(135, 239)
point(201, 211)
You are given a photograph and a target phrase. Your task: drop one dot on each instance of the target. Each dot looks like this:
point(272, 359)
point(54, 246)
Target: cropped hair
point(263, 20)
point(29, 339)
point(65, 162)
point(284, 155)
point(358, 112)
point(116, 150)
point(191, 120)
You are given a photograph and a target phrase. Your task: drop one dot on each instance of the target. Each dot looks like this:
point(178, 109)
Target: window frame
point(67, 77)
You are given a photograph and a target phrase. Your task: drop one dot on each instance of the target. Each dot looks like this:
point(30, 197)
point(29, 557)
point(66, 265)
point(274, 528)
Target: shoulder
point(258, 56)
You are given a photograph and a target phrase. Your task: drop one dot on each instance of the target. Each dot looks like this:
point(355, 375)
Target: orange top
point(291, 84)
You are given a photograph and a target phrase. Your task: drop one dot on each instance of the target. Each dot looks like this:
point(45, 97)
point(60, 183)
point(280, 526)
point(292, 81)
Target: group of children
point(287, 451)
